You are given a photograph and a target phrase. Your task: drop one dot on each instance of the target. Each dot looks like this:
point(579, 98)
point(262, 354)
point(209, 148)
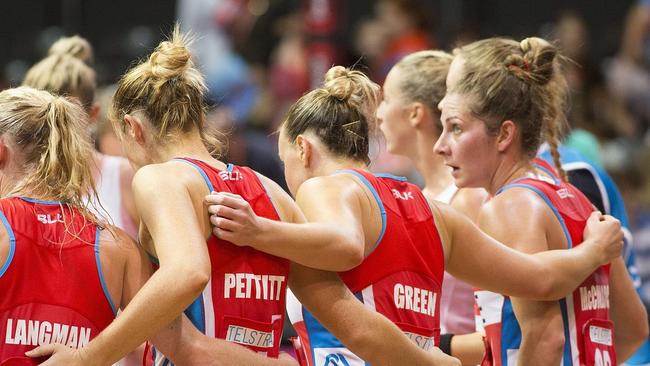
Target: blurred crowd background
point(259, 56)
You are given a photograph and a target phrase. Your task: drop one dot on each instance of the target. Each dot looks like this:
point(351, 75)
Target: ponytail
point(51, 136)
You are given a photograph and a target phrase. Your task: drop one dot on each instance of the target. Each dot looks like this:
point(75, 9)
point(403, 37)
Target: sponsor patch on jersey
point(424, 342)
point(600, 335)
point(249, 337)
point(336, 357)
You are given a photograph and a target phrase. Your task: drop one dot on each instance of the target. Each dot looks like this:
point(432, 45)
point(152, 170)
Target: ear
point(4, 153)
point(416, 114)
point(507, 135)
point(135, 128)
point(93, 112)
point(304, 147)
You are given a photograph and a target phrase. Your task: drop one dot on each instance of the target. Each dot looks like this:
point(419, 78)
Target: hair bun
point(75, 46)
point(171, 58)
point(538, 56)
point(339, 83)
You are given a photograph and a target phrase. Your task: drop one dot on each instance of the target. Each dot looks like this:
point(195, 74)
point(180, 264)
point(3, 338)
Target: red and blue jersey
point(609, 200)
point(244, 302)
point(51, 284)
point(589, 334)
point(401, 278)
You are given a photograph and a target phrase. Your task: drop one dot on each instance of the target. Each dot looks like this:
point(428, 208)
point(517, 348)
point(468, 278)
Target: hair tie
point(526, 66)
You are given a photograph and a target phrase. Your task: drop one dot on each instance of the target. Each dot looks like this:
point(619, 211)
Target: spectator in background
point(228, 76)
point(594, 113)
point(408, 28)
point(627, 74)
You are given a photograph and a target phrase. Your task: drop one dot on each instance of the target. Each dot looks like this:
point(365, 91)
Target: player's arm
point(626, 312)
point(526, 230)
point(366, 333)
point(468, 348)
point(544, 276)
point(332, 239)
point(182, 343)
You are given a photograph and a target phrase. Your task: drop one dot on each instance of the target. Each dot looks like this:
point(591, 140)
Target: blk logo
point(402, 195)
point(232, 175)
point(49, 219)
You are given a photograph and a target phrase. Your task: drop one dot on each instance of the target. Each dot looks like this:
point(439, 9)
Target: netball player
point(410, 121)
point(64, 272)
point(503, 97)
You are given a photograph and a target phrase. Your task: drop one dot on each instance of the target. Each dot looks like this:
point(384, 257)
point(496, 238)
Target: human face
point(465, 144)
point(295, 172)
point(392, 116)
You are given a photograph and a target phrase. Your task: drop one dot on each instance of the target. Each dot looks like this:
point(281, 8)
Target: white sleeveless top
point(457, 300)
point(109, 190)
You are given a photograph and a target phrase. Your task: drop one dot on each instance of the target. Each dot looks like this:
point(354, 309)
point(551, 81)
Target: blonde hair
point(50, 133)
point(168, 89)
point(66, 71)
point(339, 113)
point(520, 81)
point(75, 46)
point(423, 77)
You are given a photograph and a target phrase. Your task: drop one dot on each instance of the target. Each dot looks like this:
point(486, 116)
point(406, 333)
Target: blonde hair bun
point(75, 46)
point(171, 58)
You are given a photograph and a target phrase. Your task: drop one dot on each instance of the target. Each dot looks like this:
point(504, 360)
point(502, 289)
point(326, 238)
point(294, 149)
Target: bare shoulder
point(519, 218)
point(468, 201)
point(513, 204)
point(287, 208)
point(165, 177)
point(117, 243)
point(339, 184)
point(4, 245)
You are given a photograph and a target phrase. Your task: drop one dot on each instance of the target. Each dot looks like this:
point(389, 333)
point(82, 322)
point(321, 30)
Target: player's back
point(400, 278)
point(51, 281)
point(244, 302)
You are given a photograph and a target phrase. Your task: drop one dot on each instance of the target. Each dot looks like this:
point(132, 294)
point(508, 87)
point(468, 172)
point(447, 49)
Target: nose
point(441, 147)
point(441, 103)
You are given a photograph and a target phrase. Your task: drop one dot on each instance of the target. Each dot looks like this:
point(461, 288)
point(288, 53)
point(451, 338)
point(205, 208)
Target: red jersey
point(244, 302)
point(52, 284)
point(401, 278)
point(589, 332)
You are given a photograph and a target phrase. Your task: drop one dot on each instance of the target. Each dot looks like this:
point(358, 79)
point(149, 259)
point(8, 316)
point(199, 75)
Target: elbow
point(360, 341)
point(555, 344)
point(351, 255)
point(194, 279)
point(546, 291)
point(198, 280)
